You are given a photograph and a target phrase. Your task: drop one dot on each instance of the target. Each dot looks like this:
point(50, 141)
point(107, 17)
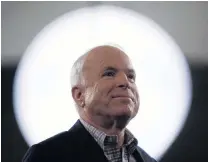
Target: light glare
point(42, 96)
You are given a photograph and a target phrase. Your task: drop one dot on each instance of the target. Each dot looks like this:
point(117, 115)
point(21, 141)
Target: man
point(106, 97)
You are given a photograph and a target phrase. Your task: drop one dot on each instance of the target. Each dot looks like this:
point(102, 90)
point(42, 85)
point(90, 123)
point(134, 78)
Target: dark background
point(186, 22)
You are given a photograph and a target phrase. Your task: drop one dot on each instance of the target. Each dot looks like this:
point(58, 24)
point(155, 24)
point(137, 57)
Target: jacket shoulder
point(50, 148)
point(145, 156)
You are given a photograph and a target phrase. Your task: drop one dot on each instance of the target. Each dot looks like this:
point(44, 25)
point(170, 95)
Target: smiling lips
point(122, 96)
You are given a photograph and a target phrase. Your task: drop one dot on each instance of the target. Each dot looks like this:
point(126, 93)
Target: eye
point(131, 76)
point(109, 73)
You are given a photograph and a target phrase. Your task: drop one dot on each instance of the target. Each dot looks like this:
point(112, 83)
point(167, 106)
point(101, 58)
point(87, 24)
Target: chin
point(123, 116)
point(125, 110)
point(123, 113)
point(122, 121)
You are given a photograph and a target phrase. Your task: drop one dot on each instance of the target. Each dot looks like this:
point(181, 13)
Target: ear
point(78, 96)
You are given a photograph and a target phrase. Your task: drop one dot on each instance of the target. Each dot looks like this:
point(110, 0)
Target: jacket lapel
point(88, 147)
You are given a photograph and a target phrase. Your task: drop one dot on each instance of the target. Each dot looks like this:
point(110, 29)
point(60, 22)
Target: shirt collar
point(105, 140)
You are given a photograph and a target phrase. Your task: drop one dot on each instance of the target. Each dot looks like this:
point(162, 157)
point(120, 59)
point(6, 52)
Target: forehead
point(101, 58)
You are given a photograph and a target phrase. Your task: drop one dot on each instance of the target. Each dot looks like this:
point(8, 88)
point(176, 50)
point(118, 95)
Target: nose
point(122, 81)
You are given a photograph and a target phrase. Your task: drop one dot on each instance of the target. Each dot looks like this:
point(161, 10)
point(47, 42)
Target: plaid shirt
point(108, 144)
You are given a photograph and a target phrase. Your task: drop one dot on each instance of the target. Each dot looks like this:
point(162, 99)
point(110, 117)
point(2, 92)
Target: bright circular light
point(42, 95)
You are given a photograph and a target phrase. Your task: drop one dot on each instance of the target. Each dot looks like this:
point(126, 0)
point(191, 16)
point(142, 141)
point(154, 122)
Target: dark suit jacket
point(75, 145)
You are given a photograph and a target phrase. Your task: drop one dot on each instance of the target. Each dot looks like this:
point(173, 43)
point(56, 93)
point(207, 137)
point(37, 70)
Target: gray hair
point(76, 71)
point(76, 74)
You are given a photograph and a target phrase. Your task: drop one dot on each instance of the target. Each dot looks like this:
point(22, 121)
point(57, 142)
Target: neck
point(109, 125)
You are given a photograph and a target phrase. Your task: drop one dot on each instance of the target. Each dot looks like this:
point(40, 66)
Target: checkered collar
point(104, 140)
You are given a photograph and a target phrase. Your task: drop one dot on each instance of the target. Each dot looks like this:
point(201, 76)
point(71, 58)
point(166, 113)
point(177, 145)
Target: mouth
point(122, 97)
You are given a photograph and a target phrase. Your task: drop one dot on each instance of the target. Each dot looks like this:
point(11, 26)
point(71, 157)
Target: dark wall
point(190, 146)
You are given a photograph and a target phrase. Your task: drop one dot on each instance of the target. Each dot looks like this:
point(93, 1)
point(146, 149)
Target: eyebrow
point(114, 69)
point(110, 68)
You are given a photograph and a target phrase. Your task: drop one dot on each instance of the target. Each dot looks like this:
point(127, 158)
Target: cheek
point(92, 94)
point(136, 95)
point(101, 94)
point(89, 96)
point(98, 95)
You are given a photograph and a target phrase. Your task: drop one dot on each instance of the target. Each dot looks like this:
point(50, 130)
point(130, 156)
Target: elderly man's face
point(110, 88)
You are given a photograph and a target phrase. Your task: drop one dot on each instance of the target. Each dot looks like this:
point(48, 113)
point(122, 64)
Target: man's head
point(104, 87)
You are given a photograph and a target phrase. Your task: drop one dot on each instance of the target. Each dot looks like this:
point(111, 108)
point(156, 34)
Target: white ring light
point(42, 99)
